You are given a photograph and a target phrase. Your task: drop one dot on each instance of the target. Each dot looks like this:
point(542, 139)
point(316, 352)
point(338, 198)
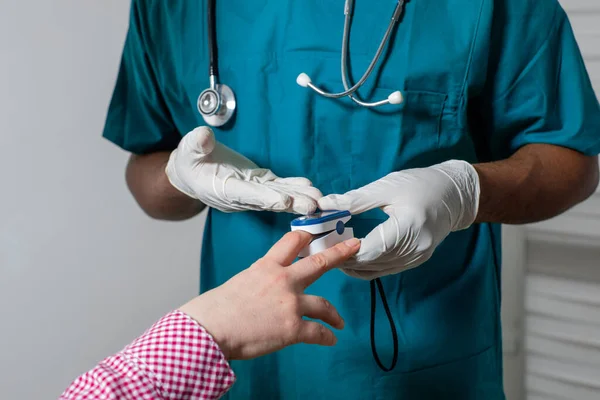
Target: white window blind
point(561, 343)
point(562, 338)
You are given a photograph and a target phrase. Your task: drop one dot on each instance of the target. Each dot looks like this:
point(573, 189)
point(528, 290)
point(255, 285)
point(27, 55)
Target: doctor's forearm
point(154, 193)
point(538, 182)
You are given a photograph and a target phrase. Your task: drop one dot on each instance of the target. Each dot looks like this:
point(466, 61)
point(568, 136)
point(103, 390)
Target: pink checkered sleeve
point(175, 359)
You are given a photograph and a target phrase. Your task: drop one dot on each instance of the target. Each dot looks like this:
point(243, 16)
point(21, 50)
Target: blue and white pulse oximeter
point(328, 227)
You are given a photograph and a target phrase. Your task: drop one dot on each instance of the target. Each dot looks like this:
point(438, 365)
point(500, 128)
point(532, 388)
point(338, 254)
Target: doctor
point(495, 122)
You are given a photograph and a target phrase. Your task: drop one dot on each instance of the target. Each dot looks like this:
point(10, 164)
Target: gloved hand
point(225, 180)
point(424, 205)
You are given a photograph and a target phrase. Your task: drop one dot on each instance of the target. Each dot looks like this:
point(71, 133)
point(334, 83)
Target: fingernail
point(352, 242)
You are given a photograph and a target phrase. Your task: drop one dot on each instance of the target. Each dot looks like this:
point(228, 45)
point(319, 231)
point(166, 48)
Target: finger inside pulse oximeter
point(328, 228)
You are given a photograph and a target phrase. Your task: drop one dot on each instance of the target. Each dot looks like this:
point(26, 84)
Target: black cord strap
point(391, 321)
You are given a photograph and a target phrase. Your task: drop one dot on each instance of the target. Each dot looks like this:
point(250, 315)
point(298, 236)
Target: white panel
point(556, 308)
point(552, 348)
point(551, 258)
point(563, 330)
point(557, 389)
point(513, 280)
point(562, 338)
point(564, 289)
point(513, 277)
point(564, 371)
point(569, 228)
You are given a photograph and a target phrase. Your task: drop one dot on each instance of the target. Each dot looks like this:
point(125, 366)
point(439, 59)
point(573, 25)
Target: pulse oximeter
point(328, 228)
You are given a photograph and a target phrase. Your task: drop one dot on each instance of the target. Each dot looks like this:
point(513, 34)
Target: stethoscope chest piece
point(217, 104)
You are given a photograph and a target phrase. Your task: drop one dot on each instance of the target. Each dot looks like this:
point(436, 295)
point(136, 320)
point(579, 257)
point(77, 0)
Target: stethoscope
point(217, 103)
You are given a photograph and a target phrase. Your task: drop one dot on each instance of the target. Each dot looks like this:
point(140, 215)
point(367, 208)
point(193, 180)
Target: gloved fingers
point(364, 275)
point(391, 247)
point(403, 236)
point(316, 307)
point(259, 175)
point(311, 332)
point(295, 190)
point(201, 140)
point(370, 275)
point(304, 198)
point(356, 201)
point(381, 263)
point(388, 264)
point(256, 194)
point(303, 205)
point(294, 181)
point(312, 192)
point(385, 237)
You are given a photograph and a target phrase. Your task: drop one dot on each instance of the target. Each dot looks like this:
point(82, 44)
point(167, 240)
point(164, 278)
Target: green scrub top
point(481, 78)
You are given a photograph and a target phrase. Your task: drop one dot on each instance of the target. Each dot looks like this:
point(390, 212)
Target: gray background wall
point(82, 270)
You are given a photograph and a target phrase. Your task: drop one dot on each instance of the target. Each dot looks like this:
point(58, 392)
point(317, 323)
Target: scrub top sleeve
point(138, 119)
point(540, 91)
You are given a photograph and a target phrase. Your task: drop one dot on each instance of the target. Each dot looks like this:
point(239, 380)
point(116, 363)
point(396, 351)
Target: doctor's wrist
point(174, 202)
point(150, 186)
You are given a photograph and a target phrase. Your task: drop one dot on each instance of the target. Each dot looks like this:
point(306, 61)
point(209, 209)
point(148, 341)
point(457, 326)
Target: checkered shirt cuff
point(175, 359)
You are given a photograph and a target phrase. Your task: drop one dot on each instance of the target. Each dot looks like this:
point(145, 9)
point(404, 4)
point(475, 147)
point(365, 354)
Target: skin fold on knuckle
point(325, 335)
point(324, 303)
point(330, 313)
point(343, 252)
point(319, 262)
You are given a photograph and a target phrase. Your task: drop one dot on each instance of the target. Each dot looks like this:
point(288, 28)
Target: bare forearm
point(538, 182)
point(151, 189)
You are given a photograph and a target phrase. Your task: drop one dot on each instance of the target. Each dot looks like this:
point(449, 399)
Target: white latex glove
point(219, 177)
point(424, 205)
